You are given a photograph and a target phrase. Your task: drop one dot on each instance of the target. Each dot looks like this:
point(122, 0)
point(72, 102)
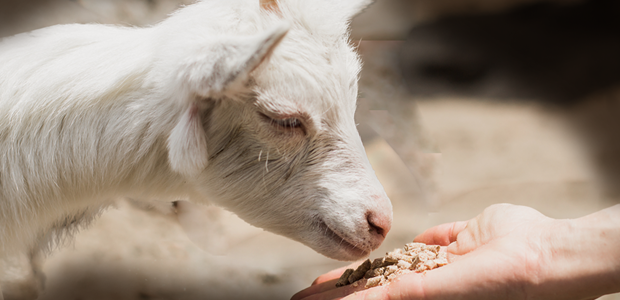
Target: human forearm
point(582, 260)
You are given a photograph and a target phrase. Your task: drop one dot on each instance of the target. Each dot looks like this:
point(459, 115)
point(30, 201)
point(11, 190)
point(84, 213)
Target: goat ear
point(262, 48)
point(331, 17)
point(231, 62)
point(187, 144)
point(354, 7)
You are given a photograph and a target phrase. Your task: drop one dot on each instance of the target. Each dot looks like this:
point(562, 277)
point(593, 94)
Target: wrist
point(580, 258)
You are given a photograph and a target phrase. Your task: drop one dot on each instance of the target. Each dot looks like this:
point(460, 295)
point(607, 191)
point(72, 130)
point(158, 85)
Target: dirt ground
point(440, 159)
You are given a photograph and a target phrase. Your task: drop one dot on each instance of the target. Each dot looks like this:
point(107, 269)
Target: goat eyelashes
point(287, 123)
point(284, 123)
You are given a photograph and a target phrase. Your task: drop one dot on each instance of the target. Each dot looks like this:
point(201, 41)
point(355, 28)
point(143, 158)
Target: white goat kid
point(243, 104)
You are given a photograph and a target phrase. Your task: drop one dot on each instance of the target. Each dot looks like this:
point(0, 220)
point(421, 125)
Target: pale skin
point(507, 252)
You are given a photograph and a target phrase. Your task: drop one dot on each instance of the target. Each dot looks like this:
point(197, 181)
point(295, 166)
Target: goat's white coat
point(180, 110)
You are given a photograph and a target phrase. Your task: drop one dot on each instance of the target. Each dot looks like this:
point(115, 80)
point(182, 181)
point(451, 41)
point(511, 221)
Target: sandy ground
point(439, 159)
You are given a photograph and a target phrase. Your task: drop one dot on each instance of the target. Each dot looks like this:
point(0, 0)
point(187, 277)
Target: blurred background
point(463, 104)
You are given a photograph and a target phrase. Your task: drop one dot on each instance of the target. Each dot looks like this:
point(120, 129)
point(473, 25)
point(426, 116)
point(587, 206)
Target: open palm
point(500, 254)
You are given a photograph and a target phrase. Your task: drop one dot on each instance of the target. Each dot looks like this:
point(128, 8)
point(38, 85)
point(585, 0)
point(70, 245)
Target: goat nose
point(379, 223)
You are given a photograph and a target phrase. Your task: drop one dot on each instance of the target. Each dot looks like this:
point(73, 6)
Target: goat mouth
point(342, 242)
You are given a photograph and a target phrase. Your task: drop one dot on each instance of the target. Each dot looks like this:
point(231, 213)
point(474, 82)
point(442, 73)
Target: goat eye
point(288, 123)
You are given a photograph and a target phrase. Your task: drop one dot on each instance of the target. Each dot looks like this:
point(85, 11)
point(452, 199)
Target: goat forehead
point(324, 89)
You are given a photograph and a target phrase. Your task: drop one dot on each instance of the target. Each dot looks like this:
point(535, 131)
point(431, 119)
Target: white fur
point(90, 113)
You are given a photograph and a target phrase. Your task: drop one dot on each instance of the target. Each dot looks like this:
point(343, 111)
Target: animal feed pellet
point(414, 257)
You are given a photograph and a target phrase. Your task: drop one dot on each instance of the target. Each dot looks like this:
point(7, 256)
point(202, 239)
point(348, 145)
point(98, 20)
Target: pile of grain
point(416, 257)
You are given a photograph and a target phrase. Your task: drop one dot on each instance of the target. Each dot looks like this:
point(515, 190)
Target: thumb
point(442, 235)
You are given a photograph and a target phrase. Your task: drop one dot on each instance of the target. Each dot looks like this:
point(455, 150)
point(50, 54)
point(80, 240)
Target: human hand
point(497, 255)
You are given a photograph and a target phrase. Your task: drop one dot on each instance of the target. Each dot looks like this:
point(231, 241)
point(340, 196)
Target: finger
point(317, 288)
point(335, 274)
point(375, 293)
point(467, 240)
point(441, 235)
point(331, 275)
point(451, 253)
point(328, 291)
